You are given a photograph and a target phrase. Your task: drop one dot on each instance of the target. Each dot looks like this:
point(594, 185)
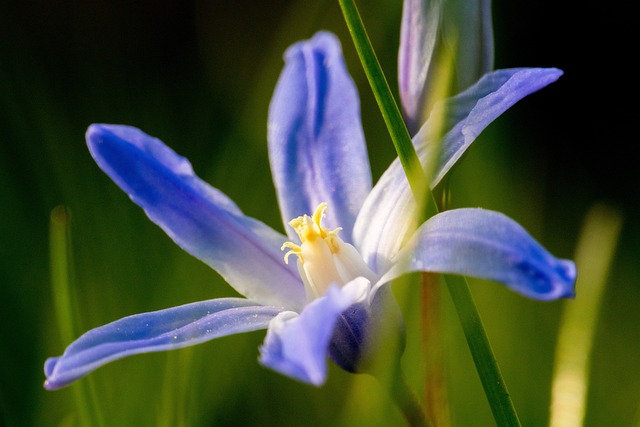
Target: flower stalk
point(436, 402)
point(407, 402)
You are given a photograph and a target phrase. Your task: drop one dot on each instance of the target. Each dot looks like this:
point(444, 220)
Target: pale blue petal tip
point(555, 281)
point(567, 274)
point(49, 366)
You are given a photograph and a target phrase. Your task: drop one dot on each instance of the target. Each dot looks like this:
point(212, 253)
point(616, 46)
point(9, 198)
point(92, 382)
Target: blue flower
point(321, 289)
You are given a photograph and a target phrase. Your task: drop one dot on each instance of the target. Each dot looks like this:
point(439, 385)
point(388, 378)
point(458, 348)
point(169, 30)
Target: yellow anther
point(310, 228)
point(294, 249)
point(319, 214)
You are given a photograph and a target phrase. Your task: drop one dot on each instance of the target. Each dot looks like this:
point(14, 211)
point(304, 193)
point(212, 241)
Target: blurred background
point(199, 75)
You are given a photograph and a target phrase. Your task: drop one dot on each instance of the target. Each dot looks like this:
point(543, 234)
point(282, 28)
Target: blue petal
point(384, 222)
point(418, 35)
point(162, 330)
point(366, 330)
point(316, 143)
point(487, 245)
point(199, 218)
point(297, 346)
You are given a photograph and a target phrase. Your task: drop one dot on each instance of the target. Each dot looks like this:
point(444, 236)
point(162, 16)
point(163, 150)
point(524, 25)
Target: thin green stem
point(436, 402)
point(494, 386)
point(486, 365)
point(407, 401)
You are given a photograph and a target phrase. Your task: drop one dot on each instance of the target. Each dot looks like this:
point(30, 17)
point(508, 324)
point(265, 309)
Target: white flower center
point(324, 259)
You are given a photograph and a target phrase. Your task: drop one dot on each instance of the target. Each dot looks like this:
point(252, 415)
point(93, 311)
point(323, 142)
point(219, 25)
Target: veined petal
point(162, 330)
point(297, 345)
point(383, 224)
point(199, 218)
point(488, 245)
point(316, 143)
point(418, 35)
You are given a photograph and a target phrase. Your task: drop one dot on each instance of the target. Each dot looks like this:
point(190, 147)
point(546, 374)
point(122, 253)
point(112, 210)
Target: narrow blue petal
point(162, 330)
point(298, 345)
point(418, 35)
point(316, 143)
point(199, 218)
point(488, 245)
point(385, 219)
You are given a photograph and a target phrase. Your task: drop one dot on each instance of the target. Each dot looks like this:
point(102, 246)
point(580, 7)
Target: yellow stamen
point(295, 249)
point(310, 228)
point(324, 259)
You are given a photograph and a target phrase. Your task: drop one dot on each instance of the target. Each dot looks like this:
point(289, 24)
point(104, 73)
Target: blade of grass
point(61, 270)
point(594, 254)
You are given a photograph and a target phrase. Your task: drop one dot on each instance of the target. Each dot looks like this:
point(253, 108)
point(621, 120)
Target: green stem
point(436, 402)
point(407, 401)
point(494, 386)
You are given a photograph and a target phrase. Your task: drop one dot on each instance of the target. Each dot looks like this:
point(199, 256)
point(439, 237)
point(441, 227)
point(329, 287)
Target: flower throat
point(324, 259)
